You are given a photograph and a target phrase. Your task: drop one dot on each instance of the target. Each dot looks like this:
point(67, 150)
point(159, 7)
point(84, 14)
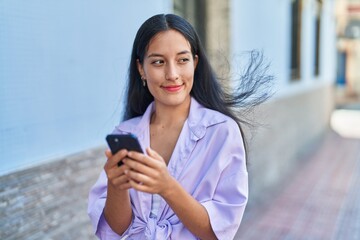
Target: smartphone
point(117, 142)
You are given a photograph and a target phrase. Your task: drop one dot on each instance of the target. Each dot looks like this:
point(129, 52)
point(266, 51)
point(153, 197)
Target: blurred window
point(295, 39)
point(317, 37)
point(195, 13)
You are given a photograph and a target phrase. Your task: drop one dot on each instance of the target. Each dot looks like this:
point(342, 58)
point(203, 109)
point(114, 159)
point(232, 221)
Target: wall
point(218, 35)
point(49, 201)
point(297, 116)
point(62, 71)
point(56, 61)
point(292, 128)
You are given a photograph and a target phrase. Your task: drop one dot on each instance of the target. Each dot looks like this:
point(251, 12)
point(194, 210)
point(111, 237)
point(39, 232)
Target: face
point(168, 68)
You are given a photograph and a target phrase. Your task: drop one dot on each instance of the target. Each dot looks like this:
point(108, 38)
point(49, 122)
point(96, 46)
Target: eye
point(184, 60)
point(157, 62)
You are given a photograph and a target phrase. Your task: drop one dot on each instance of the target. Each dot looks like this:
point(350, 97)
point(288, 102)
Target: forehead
point(170, 40)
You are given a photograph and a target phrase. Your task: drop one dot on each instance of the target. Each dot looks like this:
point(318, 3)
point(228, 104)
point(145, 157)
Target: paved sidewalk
point(320, 201)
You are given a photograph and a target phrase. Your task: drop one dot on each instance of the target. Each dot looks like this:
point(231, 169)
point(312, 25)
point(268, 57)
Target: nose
point(171, 72)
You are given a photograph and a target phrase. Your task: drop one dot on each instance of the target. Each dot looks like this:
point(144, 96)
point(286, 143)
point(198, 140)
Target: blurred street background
point(63, 70)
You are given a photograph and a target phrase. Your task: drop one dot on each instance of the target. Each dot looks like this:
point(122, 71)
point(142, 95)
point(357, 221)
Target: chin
point(175, 100)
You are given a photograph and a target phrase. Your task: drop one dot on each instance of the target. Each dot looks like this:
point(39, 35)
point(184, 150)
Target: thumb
point(108, 153)
point(153, 153)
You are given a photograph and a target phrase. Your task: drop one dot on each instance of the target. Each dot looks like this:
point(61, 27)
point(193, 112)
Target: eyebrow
point(160, 55)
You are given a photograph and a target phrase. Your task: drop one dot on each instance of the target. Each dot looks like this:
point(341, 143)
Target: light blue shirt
point(208, 161)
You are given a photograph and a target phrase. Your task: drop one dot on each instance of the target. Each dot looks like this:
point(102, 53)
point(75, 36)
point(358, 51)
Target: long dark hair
point(207, 90)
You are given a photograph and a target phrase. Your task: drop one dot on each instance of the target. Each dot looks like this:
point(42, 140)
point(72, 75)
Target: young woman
point(192, 181)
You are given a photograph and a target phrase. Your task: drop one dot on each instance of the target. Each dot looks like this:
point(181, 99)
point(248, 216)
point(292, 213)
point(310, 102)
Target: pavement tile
point(320, 201)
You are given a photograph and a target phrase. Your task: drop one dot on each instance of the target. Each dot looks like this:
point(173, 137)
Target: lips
point(172, 88)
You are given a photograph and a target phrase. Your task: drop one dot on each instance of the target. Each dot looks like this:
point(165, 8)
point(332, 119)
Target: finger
point(147, 160)
point(115, 172)
point(118, 181)
point(138, 177)
point(140, 157)
point(108, 153)
point(113, 160)
point(153, 153)
point(139, 186)
point(140, 167)
point(121, 183)
point(121, 180)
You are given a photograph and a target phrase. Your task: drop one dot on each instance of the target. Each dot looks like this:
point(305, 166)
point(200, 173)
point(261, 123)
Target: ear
point(140, 67)
point(196, 60)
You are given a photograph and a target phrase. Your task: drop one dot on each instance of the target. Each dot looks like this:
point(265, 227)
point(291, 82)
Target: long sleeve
point(227, 207)
point(216, 173)
point(97, 198)
point(209, 163)
point(227, 203)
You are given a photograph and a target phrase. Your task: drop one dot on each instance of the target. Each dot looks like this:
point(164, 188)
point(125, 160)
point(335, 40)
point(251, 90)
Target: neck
point(170, 115)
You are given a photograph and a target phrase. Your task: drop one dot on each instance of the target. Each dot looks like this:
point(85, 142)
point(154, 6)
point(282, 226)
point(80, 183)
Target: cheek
point(154, 75)
point(189, 74)
point(191, 83)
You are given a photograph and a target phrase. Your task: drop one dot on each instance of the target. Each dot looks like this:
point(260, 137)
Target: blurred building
point(348, 33)
point(298, 38)
point(62, 72)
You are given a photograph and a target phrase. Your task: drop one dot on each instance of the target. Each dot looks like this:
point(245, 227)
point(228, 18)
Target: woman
point(192, 182)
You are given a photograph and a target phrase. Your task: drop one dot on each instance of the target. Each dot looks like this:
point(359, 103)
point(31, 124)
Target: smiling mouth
point(173, 88)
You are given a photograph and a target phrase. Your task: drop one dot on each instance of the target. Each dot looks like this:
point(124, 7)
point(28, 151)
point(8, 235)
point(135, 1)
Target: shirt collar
point(199, 119)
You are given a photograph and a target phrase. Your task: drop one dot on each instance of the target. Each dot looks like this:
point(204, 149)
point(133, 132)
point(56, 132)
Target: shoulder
point(128, 126)
point(218, 135)
point(223, 126)
point(206, 115)
point(202, 119)
point(135, 125)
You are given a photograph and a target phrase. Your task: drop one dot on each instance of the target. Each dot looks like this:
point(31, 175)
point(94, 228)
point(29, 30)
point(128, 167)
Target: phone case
point(117, 142)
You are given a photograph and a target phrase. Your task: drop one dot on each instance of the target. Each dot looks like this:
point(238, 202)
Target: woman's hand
point(148, 173)
point(115, 174)
point(118, 198)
